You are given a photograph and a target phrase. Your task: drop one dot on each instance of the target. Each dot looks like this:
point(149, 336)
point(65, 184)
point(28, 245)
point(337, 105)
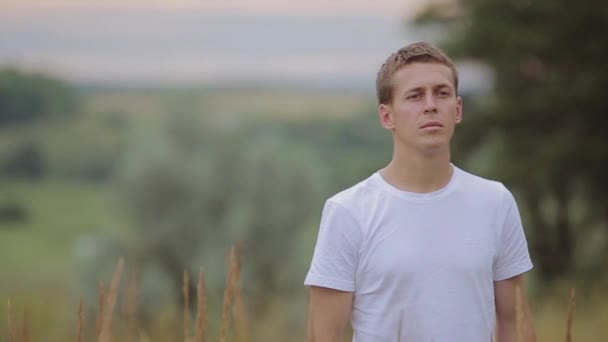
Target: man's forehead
point(423, 75)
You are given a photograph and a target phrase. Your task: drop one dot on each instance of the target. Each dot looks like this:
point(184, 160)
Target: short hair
point(419, 52)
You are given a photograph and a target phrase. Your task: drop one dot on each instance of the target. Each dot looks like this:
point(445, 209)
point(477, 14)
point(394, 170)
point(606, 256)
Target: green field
point(43, 257)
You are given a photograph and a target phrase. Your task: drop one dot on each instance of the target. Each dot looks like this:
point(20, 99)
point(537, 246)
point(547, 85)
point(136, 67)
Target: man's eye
point(413, 96)
point(443, 93)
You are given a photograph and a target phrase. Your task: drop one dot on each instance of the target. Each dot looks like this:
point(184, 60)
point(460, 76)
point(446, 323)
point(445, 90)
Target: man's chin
point(429, 144)
point(435, 145)
point(438, 140)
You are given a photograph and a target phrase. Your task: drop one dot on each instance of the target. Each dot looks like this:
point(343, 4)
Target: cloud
point(389, 8)
point(154, 46)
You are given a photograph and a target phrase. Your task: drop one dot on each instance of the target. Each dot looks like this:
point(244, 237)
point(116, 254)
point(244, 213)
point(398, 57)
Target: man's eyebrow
point(438, 86)
point(413, 90)
point(443, 85)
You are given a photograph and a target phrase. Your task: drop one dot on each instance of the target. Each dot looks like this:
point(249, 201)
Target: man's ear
point(459, 110)
point(386, 116)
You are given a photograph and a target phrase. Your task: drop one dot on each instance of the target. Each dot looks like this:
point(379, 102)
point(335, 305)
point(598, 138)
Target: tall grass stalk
point(101, 302)
point(187, 319)
point(201, 326)
point(26, 328)
point(240, 309)
point(106, 323)
point(570, 321)
point(131, 302)
point(11, 323)
point(80, 335)
point(228, 295)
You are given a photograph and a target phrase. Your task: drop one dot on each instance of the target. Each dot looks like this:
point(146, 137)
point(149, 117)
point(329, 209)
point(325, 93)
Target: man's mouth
point(432, 124)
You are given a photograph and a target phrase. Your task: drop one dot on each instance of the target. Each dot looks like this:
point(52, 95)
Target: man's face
point(425, 108)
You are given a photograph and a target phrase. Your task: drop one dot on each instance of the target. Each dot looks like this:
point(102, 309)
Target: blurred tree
point(25, 160)
point(544, 125)
point(25, 97)
point(213, 186)
point(352, 148)
point(12, 212)
point(101, 138)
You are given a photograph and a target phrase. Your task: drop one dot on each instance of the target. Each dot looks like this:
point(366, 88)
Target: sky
point(264, 7)
point(331, 43)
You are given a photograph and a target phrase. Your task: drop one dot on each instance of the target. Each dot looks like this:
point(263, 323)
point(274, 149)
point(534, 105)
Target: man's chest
point(421, 244)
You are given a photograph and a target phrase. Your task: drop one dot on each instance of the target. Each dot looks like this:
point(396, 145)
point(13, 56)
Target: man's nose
point(429, 104)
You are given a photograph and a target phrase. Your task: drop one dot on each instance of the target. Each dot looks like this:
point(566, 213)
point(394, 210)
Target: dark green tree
point(544, 122)
point(30, 96)
point(27, 99)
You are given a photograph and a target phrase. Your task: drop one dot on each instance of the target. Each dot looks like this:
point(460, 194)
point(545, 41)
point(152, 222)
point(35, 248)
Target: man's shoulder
point(482, 186)
point(354, 196)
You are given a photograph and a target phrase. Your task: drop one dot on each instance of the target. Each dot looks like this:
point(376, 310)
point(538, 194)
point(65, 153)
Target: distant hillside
point(229, 103)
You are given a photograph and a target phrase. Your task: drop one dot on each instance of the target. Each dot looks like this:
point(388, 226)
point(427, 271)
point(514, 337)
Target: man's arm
point(329, 313)
point(511, 324)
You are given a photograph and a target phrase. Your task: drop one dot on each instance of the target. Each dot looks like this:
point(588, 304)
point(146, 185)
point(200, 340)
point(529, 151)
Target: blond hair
point(420, 52)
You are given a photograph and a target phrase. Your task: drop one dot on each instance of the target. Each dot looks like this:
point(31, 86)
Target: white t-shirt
point(422, 266)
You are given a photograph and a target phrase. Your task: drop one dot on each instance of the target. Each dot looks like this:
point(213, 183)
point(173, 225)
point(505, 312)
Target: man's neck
point(417, 172)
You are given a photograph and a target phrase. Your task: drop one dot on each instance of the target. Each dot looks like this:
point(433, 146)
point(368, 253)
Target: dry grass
point(26, 330)
point(240, 311)
point(233, 307)
point(101, 302)
point(228, 295)
point(201, 321)
point(131, 303)
point(105, 334)
point(187, 319)
point(232, 297)
point(570, 320)
point(11, 323)
point(80, 335)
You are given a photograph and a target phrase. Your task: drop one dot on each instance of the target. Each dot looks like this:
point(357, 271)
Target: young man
point(421, 250)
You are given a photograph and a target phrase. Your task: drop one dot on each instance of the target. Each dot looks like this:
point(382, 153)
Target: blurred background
point(166, 132)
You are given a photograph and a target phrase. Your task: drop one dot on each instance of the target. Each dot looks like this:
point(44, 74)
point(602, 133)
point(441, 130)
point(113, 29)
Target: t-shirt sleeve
point(512, 257)
point(336, 254)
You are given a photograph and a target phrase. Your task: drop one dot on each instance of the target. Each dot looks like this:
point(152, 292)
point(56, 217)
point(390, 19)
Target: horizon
point(317, 44)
